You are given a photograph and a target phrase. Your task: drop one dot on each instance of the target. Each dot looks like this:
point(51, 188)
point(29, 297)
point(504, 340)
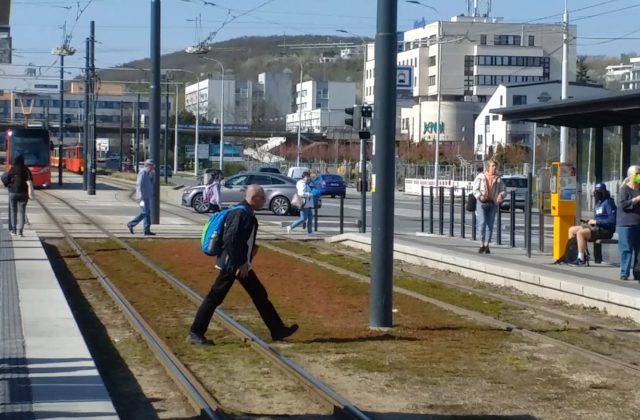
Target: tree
point(582, 70)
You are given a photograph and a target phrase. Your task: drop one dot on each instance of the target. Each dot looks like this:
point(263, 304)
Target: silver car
point(279, 190)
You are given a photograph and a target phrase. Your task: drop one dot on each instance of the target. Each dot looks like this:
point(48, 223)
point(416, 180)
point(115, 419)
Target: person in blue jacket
point(602, 226)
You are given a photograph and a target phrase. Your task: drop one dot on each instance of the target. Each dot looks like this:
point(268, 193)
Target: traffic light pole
point(363, 185)
point(155, 114)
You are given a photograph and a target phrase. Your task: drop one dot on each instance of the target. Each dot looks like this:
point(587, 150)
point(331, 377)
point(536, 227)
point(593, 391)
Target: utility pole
point(154, 117)
point(136, 157)
point(121, 135)
point(383, 176)
point(85, 125)
point(436, 171)
point(564, 131)
point(175, 133)
point(91, 187)
point(166, 135)
point(61, 145)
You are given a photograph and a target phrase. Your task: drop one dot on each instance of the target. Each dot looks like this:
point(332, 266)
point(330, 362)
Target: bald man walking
point(239, 238)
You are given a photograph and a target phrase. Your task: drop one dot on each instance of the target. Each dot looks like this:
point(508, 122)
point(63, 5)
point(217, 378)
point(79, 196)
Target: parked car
point(330, 184)
point(168, 170)
point(278, 188)
point(517, 183)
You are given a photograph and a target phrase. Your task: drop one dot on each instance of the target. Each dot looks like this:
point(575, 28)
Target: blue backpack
point(211, 238)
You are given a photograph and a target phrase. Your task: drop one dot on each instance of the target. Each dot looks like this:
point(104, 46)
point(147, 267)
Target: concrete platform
point(595, 286)
point(46, 370)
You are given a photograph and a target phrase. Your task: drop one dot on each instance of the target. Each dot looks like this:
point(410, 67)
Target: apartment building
point(462, 62)
point(631, 78)
point(236, 101)
point(320, 105)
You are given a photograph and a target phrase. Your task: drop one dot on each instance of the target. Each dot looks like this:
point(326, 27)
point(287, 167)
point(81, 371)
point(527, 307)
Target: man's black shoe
point(285, 332)
point(150, 234)
point(130, 229)
point(201, 340)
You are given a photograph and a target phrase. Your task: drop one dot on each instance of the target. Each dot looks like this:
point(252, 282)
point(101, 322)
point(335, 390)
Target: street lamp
point(439, 87)
point(364, 59)
point(62, 52)
point(299, 149)
point(196, 50)
point(221, 109)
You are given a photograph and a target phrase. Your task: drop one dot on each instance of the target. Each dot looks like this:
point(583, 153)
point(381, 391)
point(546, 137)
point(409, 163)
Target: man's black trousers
point(219, 291)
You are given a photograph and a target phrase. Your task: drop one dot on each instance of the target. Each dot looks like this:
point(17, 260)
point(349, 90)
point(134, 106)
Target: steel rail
point(480, 317)
point(204, 404)
point(338, 403)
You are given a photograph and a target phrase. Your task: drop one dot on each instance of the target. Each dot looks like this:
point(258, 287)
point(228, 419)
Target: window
point(506, 40)
point(532, 41)
point(500, 100)
point(483, 40)
point(486, 120)
point(495, 118)
point(261, 180)
point(238, 180)
point(432, 80)
point(479, 138)
point(519, 99)
point(432, 60)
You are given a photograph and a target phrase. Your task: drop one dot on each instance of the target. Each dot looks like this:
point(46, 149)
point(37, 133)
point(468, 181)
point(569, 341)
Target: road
point(407, 220)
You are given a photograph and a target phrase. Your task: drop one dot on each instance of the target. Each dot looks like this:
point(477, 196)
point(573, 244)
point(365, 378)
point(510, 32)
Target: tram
point(72, 159)
point(34, 144)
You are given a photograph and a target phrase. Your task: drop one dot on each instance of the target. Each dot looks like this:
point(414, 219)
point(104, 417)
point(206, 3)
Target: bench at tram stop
point(597, 248)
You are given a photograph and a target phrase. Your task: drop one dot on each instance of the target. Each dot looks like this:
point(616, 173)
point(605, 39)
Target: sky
point(608, 27)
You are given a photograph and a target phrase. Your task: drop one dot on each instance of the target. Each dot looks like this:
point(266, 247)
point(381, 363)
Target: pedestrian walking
point(239, 239)
point(19, 181)
point(602, 226)
point(628, 222)
point(303, 189)
point(212, 193)
point(490, 192)
point(144, 193)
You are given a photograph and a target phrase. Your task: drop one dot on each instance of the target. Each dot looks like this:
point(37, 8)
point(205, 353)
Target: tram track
point(554, 314)
point(476, 315)
point(201, 400)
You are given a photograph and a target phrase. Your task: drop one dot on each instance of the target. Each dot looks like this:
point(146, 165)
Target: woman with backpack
point(20, 184)
point(489, 191)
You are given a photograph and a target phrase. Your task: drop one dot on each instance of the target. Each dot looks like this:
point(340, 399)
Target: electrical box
point(564, 196)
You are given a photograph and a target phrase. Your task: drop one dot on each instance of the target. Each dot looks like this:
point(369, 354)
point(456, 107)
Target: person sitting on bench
point(602, 226)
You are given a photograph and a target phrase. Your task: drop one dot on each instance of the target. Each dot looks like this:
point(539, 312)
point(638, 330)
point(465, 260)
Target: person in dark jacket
point(602, 226)
point(19, 192)
point(239, 239)
point(144, 193)
point(629, 222)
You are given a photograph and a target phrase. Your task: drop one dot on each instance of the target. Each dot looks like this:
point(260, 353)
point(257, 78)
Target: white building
point(320, 105)
point(631, 78)
point(237, 100)
point(475, 54)
point(277, 94)
point(616, 72)
point(491, 130)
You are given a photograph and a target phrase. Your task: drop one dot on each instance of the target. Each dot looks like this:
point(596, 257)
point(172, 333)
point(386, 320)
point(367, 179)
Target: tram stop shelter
point(606, 135)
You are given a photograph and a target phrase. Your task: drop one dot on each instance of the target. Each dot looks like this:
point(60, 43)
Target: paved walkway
point(46, 370)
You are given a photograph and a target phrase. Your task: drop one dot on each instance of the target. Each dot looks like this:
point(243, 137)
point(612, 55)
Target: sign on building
point(404, 77)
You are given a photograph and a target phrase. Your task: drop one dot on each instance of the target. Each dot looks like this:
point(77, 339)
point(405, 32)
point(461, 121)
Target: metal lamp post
point(62, 52)
point(299, 147)
point(221, 109)
point(364, 59)
point(439, 87)
point(198, 50)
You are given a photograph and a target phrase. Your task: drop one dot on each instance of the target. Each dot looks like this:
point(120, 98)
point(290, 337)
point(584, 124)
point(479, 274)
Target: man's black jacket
point(238, 228)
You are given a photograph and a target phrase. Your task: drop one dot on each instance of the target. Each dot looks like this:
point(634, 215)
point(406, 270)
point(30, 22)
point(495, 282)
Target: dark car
point(269, 169)
point(279, 190)
point(330, 184)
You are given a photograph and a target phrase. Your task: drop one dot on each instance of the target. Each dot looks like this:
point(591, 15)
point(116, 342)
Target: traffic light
point(356, 117)
point(367, 115)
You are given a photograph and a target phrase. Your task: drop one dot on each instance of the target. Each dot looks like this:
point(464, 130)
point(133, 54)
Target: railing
point(445, 202)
